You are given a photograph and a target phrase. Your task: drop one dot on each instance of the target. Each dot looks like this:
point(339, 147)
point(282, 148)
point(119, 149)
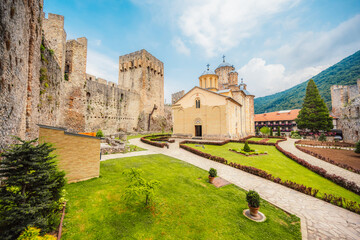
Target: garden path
point(289, 146)
point(319, 220)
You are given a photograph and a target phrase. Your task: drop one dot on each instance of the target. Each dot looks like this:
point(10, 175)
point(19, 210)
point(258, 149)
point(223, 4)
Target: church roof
point(244, 90)
point(224, 64)
point(229, 98)
point(207, 72)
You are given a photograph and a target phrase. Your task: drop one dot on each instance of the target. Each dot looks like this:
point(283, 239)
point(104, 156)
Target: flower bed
point(330, 144)
point(338, 201)
point(319, 156)
point(248, 154)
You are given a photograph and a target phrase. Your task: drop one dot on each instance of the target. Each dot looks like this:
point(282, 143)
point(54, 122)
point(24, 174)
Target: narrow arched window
point(197, 103)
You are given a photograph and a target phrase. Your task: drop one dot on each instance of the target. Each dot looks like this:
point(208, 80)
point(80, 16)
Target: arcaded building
point(219, 108)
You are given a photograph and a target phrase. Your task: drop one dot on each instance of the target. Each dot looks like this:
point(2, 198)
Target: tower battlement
point(55, 34)
point(140, 59)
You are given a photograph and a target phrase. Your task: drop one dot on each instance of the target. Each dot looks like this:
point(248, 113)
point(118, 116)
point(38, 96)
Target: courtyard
point(185, 207)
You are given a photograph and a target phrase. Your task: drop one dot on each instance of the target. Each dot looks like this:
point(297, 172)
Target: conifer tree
point(314, 114)
point(278, 131)
point(31, 189)
point(271, 131)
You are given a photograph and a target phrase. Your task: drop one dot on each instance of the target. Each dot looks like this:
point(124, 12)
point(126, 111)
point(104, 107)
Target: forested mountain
point(345, 72)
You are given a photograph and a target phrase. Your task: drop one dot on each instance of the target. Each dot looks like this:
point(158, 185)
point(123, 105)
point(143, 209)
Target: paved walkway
point(289, 146)
point(319, 220)
point(129, 154)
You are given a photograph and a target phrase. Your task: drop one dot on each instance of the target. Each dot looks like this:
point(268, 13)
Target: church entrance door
point(198, 131)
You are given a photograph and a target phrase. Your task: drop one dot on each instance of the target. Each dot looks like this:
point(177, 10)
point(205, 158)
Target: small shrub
point(295, 135)
point(99, 133)
point(212, 172)
point(322, 137)
point(246, 147)
point(139, 186)
point(66, 76)
point(33, 233)
point(42, 48)
point(357, 147)
point(51, 52)
point(253, 199)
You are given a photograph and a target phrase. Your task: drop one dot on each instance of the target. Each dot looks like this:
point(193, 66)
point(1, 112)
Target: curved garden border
point(319, 156)
point(156, 144)
point(338, 201)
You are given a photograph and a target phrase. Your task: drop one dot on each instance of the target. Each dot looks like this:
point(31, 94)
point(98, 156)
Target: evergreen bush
point(212, 172)
point(99, 133)
point(257, 131)
point(271, 131)
point(278, 131)
point(357, 147)
point(322, 137)
point(246, 147)
point(31, 189)
point(253, 199)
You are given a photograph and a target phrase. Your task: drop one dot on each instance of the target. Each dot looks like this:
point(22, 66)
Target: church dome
point(224, 64)
point(207, 72)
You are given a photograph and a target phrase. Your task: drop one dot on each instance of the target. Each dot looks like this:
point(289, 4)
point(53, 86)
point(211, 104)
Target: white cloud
point(97, 42)
point(102, 66)
point(219, 25)
point(180, 46)
point(319, 48)
point(264, 79)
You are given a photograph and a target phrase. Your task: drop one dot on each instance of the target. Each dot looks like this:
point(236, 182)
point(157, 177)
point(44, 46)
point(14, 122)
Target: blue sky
point(273, 44)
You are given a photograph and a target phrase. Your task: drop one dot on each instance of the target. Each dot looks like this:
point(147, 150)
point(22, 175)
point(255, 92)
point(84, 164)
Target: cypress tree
point(31, 189)
point(278, 131)
point(271, 131)
point(314, 114)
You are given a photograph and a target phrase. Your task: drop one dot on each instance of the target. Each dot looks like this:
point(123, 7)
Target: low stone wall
point(78, 155)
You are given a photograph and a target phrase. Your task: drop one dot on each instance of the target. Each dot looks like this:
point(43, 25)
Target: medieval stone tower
point(142, 72)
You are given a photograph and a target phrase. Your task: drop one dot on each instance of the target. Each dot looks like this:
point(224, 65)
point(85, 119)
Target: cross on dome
point(208, 65)
point(223, 58)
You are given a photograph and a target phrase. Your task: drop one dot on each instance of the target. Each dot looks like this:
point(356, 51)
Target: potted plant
point(253, 200)
point(212, 174)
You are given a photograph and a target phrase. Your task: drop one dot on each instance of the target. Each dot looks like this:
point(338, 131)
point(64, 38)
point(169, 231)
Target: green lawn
point(279, 166)
point(142, 135)
point(271, 140)
point(186, 207)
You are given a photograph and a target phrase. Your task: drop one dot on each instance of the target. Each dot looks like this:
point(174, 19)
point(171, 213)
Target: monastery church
point(219, 108)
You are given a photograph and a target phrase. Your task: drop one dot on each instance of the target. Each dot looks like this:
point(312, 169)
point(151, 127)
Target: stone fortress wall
point(345, 101)
point(20, 38)
point(176, 96)
point(43, 80)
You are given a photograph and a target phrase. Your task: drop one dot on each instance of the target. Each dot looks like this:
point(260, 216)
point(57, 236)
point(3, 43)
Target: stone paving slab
point(220, 182)
point(319, 219)
point(289, 146)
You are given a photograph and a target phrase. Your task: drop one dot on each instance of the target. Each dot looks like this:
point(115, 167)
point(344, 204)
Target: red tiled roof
point(277, 116)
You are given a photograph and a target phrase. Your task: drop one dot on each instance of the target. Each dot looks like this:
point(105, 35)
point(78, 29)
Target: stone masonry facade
point(345, 102)
point(43, 80)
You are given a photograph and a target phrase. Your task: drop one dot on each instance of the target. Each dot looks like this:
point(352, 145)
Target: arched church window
point(197, 103)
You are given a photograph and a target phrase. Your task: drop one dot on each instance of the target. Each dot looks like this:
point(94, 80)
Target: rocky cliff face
point(20, 40)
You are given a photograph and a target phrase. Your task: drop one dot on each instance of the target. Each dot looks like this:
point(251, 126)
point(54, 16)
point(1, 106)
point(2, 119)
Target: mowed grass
point(142, 135)
point(280, 166)
point(271, 140)
point(186, 206)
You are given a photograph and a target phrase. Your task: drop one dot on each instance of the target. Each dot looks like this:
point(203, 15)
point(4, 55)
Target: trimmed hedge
point(338, 201)
point(156, 144)
point(319, 156)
